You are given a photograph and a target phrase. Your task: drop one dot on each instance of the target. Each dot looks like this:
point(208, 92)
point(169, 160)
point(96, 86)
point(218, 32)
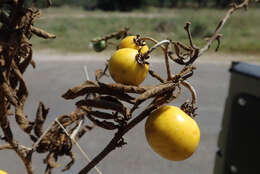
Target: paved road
point(51, 79)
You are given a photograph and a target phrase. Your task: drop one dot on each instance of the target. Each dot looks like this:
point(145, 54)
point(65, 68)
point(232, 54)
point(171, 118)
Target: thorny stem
point(221, 24)
point(218, 41)
point(118, 136)
point(216, 36)
point(110, 147)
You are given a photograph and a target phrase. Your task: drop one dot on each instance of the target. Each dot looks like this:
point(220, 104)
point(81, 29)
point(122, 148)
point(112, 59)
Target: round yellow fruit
point(124, 68)
point(3, 172)
point(172, 133)
point(128, 42)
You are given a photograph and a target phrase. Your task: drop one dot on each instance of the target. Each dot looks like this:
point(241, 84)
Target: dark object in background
point(239, 139)
point(120, 5)
point(225, 3)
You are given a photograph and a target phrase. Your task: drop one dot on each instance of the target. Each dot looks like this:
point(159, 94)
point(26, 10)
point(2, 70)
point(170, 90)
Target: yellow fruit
point(128, 42)
point(3, 172)
point(124, 68)
point(172, 133)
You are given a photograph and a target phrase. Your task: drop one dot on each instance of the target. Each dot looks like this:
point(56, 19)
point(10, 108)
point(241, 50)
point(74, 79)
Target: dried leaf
point(68, 166)
point(41, 115)
point(8, 91)
point(22, 120)
point(83, 89)
point(51, 161)
point(99, 74)
point(82, 132)
point(158, 90)
point(92, 87)
point(24, 64)
point(104, 124)
point(67, 120)
point(22, 92)
point(4, 120)
point(104, 104)
point(33, 63)
point(41, 33)
point(157, 76)
point(97, 114)
point(123, 88)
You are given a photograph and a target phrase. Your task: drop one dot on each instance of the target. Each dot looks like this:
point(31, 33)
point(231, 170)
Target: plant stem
point(152, 40)
point(192, 91)
point(118, 136)
point(156, 45)
point(221, 25)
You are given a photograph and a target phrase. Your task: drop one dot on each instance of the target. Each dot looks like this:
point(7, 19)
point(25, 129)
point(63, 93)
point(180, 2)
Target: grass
point(75, 28)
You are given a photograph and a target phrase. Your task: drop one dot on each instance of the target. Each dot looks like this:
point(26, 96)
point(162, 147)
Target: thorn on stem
point(188, 23)
point(121, 142)
point(187, 28)
point(218, 40)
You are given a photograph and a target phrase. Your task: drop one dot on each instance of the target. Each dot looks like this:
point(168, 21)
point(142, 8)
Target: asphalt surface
point(53, 78)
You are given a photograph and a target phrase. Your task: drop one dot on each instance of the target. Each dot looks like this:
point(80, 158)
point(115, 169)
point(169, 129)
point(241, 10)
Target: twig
point(191, 89)
point(121, 33)
point(166, 58)
point(118, 136)
point(5, 147)
point(221, 24)
point(152, 40)
point(86, 72)
point(187, 28)
point(163, 42)
point(157, 76)
point(218, 40)
point(76, 131)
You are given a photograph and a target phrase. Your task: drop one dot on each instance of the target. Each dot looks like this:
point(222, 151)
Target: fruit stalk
point(159, 44)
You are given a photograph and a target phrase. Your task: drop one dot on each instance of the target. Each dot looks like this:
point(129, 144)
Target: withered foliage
point(16, 54)
point(109, 106)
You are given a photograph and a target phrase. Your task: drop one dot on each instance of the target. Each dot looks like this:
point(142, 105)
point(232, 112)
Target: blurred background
point(76, 22)
point(60, 66)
